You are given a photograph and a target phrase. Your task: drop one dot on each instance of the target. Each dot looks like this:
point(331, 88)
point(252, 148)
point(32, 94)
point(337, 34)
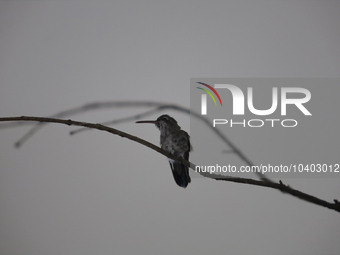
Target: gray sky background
point(95, 193)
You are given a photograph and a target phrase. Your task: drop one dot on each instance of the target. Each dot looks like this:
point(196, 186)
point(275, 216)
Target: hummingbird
point(177, 142)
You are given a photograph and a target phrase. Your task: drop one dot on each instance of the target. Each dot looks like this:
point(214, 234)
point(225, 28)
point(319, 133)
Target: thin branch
point(158, 107)
point(121, 120)
point(279, 186)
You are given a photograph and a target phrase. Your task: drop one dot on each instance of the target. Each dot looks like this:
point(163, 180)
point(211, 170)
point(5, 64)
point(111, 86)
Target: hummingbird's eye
point(163, 118)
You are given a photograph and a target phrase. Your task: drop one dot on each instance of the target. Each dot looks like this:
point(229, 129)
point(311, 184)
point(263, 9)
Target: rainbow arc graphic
point(204, 97)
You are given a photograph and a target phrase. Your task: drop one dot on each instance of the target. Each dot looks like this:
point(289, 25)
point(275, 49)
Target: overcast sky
point(95, 193)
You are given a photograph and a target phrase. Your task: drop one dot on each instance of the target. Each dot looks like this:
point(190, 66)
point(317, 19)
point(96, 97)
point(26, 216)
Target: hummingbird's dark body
point(177, 142)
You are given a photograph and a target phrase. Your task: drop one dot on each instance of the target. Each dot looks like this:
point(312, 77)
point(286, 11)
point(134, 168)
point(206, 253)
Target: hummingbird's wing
point(180, 173)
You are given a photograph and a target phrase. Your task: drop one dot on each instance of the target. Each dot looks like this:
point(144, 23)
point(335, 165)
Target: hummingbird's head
point(163, 122)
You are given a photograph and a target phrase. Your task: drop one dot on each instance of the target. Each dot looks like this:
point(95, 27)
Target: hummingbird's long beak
point(147, 121)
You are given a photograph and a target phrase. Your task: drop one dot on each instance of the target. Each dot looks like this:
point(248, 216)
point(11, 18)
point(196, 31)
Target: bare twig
point(121, 120)
point(158, 106)
point(279, 186)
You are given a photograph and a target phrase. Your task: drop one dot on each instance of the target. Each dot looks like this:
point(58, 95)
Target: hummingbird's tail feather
point(180, 173)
